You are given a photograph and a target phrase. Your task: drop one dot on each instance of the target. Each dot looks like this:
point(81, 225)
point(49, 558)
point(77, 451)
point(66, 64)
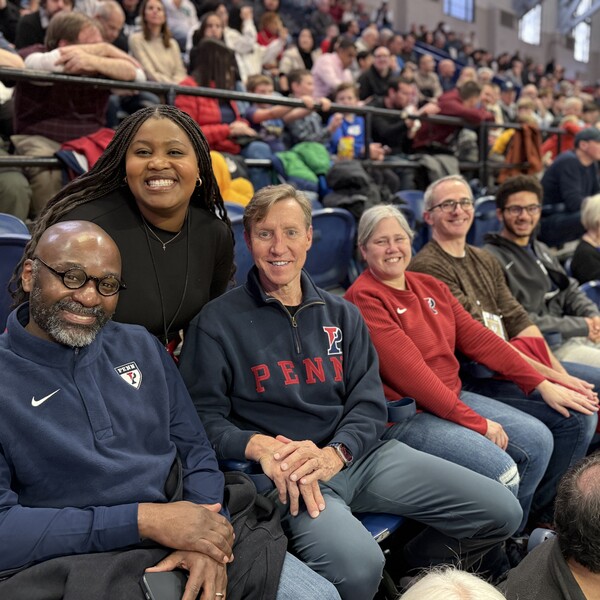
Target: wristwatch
point(343, 453)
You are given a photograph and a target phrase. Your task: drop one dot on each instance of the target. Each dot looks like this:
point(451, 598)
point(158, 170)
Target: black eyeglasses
point(516, 211)
point(449, 206)
point(76, 278)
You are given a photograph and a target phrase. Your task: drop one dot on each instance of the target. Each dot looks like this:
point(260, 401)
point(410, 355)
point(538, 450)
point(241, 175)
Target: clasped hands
point(296, 467)
point(202, 540)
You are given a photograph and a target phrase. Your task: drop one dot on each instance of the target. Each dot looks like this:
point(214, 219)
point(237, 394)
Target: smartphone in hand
point(165, 585)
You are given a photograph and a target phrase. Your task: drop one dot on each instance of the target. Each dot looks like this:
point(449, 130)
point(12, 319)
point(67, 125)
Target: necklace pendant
point(164, 246)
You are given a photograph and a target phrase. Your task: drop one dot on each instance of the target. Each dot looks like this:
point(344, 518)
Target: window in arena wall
point(530, 26)
point(460, 9)
point(582, 33)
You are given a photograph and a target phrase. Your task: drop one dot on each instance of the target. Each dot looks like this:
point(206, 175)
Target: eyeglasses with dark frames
point(449, 206)
point(76, 278)
point(516, 211)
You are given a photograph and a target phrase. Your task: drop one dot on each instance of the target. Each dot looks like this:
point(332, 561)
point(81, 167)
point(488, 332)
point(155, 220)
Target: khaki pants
point(45, 182)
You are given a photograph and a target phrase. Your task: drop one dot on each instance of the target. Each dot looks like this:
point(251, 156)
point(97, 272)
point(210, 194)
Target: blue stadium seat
point(242, 257)
point(485, 220)
point(12, 246)
point(233, 208)
point(330, 261)
point(12, 224)
point(415, 201)
point(379, 525)
point(567, 266)
point(592, 290)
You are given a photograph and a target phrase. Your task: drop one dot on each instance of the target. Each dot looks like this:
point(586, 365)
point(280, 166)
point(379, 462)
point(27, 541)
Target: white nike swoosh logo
point(401, 311)
point(35, 402)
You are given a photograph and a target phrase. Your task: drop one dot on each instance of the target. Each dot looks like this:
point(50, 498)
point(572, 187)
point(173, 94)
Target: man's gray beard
point(69, 334)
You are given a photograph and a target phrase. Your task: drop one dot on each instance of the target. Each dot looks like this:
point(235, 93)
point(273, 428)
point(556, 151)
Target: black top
point(586, 262)
point(29, 31)
point(151, 272)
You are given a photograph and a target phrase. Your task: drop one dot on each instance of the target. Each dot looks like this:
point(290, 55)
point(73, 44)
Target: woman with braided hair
point(154, 192)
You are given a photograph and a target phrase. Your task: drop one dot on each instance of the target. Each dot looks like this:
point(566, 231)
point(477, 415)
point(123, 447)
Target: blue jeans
point(466, 515)
point(298, 582)
point(259, 176)
point(530, 445)
point(572, 436)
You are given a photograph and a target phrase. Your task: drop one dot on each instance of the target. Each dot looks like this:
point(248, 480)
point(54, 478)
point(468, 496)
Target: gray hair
point(372, 216)
point(590, 212)
point(430, 191)
point(266, 197)
point(448, 583)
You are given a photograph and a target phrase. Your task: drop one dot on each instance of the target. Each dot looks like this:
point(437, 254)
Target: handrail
point(11, 75)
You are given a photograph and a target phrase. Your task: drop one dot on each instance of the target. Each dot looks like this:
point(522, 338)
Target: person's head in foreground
point(448, 583)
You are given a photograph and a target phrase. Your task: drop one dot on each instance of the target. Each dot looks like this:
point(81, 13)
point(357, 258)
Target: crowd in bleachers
point(307, 51)
point(165, 182)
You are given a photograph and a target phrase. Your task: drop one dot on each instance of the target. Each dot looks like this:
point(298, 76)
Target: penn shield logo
point(334, 339)
point(131, 374)
point(431, 303)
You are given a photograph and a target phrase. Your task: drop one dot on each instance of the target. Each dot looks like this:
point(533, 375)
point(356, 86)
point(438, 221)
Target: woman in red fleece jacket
point(416, 325)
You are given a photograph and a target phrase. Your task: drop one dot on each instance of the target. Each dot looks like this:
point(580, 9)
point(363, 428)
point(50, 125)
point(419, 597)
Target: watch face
point(343, 453)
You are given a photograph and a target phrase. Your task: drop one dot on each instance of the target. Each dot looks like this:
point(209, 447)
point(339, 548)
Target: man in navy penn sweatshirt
point(94, 419)
point(285, 374)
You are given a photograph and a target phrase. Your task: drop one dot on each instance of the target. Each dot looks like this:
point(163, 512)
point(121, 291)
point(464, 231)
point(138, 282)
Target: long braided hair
point(108, 175)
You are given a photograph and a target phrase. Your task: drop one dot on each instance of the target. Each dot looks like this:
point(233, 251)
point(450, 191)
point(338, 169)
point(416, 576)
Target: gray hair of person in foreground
point(449, 583)
point(371, 218)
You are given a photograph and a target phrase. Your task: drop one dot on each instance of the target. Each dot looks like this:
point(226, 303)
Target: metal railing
point(169, 91)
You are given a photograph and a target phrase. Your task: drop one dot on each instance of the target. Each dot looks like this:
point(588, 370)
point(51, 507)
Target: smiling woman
point(153, 191)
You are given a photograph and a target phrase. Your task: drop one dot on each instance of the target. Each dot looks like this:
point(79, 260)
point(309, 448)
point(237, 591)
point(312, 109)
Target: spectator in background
point(9, 17)
point(508, 94)
point(408, 53)
point(571, 124)
point(300, 55)
point(383, 16)
point(447, 74)
point(15, 192)
point(266, 118)
point(428, 83)
point(31, 28)
point(111, 17)
point(241, 36)
point(586, 260)
point(303, 124)
point(333, 68)
point(347, 139)
point(395, 46)
point(374, 82)
point(48, 115)
point(212, 64)
point(462, 102)
point(155, 48)
point(321, 19)
point(368, 39)
point(181, 18)
point(364, 60)
point(570, 178)
point(132, 11)
point(515, 73)
point(393, 132)
point(331, 35)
